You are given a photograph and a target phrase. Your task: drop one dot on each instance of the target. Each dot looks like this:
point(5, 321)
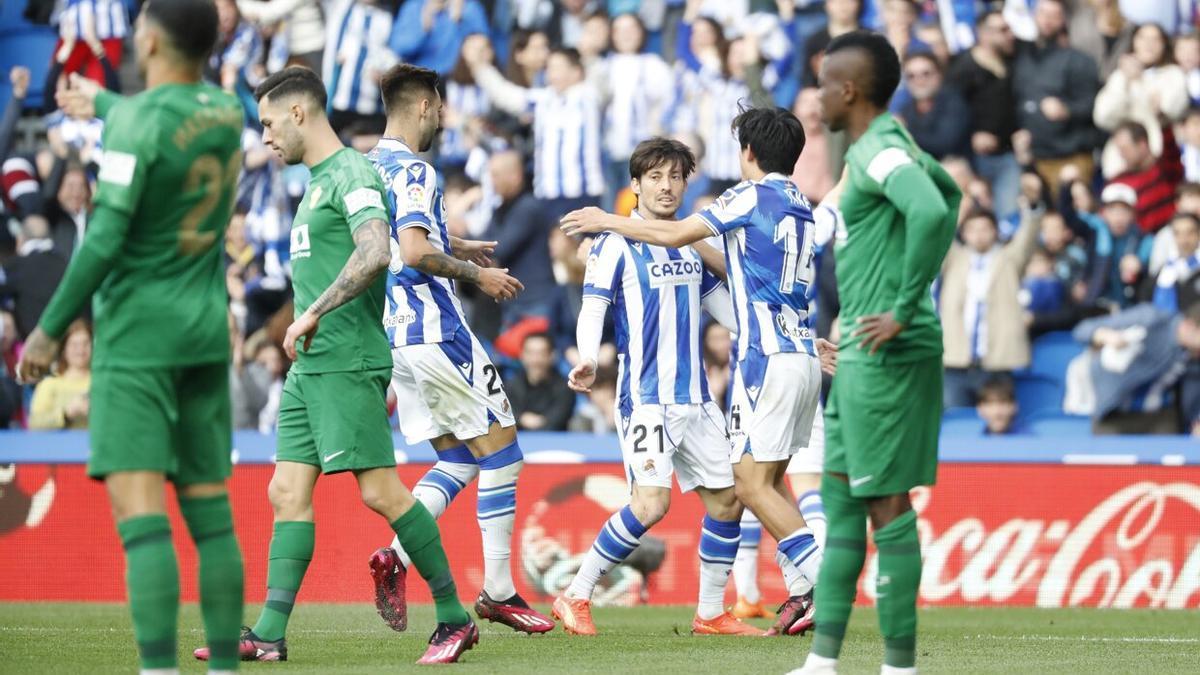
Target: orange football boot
point(575, 615)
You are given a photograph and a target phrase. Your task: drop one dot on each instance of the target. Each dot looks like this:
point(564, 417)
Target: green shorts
point(336, 421)
point(882, 424)
point(175, 420)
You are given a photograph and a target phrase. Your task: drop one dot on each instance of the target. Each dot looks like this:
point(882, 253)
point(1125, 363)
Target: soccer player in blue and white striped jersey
point(448, 392)
point(666, 421)
point(767, 227)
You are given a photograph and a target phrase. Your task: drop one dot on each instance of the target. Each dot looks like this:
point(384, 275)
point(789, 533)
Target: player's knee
point(386, 502)
point(288, 501)
point(724, 505)
point(748, 493)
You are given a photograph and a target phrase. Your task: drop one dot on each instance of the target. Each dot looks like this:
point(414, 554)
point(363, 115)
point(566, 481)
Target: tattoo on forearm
point(372, 250)
point(441, 265)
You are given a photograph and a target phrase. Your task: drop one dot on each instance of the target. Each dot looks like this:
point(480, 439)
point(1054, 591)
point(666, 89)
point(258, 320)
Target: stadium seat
point(961, 422)
point(1038, 394)
point(1058, 425)
point(12, 16)
point(31, 47)
point(1052, 353)
point(962, 413)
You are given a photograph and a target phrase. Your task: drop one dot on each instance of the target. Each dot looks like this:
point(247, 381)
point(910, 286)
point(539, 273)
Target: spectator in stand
point(596, 416)
point(68, 211)
point(843, 17)
point(1099, 30)
point(816, 170)
point(594, 41)
point(983, 76)
point(899, 26)
point(30, 278)
point(979, 303)
point(356, 55)
point(997, 406)
point(1187, 200)
point(540, 397)
point(1187, 57)
point(299, 24)
point(1154, 180)
point(92, 37)
point(522, 227)
point(1055, 87)
point(10, 392)
point(931, 34)
point(430, 33)
point(936, 116)
point(465, 108)
point(1042, 291)
point(1186, 230)
point(1189, 149)
point(1069, 264)
point(1175, 16)
point(568, 171)
point(239, 48)
point(61, 400)
point(1143, 370)
point(633, 87)
point(1145, 88)
point(1122, 251)
point(527, 57)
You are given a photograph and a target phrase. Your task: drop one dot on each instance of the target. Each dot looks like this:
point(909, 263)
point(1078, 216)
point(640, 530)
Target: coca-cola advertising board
point(993, 534)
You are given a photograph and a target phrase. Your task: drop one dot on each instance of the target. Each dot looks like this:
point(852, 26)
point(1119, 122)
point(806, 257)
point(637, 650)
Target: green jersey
point(153, 253)
point(344, 192)
point(899, 212)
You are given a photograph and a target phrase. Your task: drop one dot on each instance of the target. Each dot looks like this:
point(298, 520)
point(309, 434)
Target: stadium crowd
point(1073, 126)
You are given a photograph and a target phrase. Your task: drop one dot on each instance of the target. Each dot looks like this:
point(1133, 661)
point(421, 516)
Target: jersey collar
point(392, 143)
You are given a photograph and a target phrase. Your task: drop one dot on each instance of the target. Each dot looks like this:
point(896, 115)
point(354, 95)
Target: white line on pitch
point(1088, 638)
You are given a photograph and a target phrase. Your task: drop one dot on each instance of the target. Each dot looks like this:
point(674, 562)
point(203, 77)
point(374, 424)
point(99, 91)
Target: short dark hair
point(191, 25)
point(774, 135)
point(1188, 189)
point(1193, 218)
point(571, 54)
point(980, 212)
point(291, 81)
point(1137, 132)
point(403, 82)
point(540, 335)
point(923, 56)
point(1191, 112)
point(983, 17)
point(885, 71)
point(997, 389)
point(655, 152)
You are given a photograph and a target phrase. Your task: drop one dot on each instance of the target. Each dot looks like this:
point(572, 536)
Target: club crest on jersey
point(316, 197)
point(648, 467)
point(301, 245)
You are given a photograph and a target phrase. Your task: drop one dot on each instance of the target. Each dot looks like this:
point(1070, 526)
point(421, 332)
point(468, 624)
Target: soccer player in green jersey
point(333, 413)
point(160, 376)
point(881, 425)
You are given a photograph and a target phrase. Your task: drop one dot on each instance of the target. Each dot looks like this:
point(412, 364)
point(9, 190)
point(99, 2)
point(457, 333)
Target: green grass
point(97, 638)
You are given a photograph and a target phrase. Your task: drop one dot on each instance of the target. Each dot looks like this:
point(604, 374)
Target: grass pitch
point(97, 638)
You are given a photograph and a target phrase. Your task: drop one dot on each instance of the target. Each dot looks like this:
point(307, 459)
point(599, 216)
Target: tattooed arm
point(420, 254)
point(372, 252)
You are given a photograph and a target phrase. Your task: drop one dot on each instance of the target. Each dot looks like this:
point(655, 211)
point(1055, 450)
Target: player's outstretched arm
point(712, 258)
point(669, 233)
point(418, 253)
point(372, 252)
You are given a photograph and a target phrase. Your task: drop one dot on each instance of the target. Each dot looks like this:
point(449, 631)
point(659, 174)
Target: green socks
point(845, 552)
point(291, 551)
point(152, 580)
point(210, 522)
point(896, 588)
point(418, 534)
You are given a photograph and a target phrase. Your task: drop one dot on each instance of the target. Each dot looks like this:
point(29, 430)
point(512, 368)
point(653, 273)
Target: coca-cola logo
point(1130, 550)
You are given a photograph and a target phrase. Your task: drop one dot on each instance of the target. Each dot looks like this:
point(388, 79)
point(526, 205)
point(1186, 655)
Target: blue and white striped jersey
point(356, 43)
point(769, 253)
point(110, 19)
point(637, 98)
point(567, 152)
point(656, 294)
point(421, 308)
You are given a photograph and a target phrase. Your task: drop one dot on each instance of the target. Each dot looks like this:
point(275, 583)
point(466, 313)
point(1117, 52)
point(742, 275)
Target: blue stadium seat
point(1037, 394)
point(1058, 425)
point(11, 15)
point(1052, 353)
point(962, 413)
point(961, 422)
point(31, 47)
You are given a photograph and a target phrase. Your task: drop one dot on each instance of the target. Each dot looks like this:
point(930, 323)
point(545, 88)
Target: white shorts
point(448, 388)
point(686, 440)
point(772, 405)
point(811, 458)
